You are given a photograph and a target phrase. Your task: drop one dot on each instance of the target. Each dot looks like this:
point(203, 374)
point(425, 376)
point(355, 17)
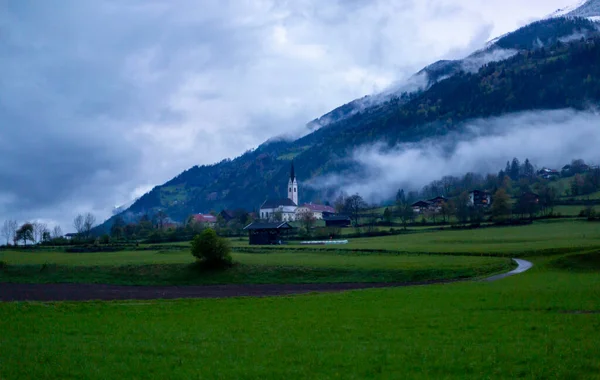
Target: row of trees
point(28, 232)
point(39, 233)
point(157, 228)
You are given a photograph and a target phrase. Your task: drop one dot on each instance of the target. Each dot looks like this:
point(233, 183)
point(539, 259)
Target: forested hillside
point(553, 76)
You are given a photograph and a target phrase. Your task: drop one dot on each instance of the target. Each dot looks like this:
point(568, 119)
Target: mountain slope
point(557, 75)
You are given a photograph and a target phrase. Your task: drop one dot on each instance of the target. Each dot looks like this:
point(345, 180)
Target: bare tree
point(57, 232)
point(38, 231)
point(9, 229)
point(78, 224)
point(354, 207)
point(89, 222)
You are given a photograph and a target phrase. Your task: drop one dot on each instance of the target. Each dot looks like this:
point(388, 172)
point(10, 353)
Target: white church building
point(287, 207)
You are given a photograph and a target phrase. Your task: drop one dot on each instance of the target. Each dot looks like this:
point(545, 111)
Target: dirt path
point(88, 292)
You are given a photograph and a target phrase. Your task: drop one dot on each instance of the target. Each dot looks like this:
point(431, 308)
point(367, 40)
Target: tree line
point(39, 233)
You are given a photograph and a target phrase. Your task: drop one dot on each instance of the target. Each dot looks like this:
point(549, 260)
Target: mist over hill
point(548, 65)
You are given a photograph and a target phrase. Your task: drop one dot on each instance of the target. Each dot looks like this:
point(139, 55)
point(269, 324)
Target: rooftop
point(318, 208)
point(274, 203)
point(268, 226)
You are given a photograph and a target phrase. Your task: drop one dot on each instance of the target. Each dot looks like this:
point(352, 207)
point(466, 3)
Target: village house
point(420, 207)
point(431, 205)
point(548, 173)
point(478, 198)
point(205, 219)
point(318, 211)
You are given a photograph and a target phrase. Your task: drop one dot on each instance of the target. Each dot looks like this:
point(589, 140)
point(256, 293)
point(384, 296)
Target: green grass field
point(541, 324)
point(150, 267)
point(542, 237)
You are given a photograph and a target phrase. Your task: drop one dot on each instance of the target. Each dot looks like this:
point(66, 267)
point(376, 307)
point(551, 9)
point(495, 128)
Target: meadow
point(177, 267)
point(541, 324)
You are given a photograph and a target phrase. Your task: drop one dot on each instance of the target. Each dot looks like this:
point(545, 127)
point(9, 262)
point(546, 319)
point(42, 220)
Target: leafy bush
point(3, 265)
point(211, 250)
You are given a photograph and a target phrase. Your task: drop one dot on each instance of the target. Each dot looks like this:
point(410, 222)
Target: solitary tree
point(211, 250)
point(9, 229)
point(354, 206)
point(25, 233)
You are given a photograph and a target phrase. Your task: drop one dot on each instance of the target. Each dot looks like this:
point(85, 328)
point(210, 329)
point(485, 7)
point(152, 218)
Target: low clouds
point(101, 100)
point(547, 138)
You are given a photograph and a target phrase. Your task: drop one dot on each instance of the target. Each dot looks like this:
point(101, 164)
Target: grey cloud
point(101, 100)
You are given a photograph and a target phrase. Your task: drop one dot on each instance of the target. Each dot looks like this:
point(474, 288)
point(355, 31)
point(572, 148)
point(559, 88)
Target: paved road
point(523, 265)
point(88, 292)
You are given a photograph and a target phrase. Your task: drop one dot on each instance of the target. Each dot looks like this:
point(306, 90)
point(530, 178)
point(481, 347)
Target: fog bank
point(547, 138)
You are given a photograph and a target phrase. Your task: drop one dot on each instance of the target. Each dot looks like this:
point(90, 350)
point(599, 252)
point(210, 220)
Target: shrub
point(3, 265)
point(211, 250)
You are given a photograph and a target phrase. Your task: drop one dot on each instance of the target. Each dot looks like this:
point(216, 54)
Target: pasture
point(540, 324)
point(177, 267)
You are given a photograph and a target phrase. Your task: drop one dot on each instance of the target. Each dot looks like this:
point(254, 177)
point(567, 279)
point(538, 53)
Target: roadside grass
point(540, 324)
point(151, 268)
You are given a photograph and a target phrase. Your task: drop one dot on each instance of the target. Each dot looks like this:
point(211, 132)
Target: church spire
point(292, 173)
point(293, 185)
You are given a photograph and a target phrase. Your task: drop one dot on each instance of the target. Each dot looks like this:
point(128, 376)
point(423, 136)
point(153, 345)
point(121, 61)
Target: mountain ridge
point(247, 180)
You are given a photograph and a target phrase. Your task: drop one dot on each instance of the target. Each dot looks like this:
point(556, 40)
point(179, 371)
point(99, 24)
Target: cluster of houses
point(477, 198)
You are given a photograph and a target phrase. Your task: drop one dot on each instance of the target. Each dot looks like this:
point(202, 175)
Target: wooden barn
point(260, 233)
point(337, 221)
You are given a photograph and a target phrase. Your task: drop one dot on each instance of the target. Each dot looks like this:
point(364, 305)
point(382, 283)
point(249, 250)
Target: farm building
point(337, 221)
point(267, 233)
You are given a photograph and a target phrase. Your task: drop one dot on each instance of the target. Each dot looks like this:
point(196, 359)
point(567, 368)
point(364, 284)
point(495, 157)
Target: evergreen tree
point(515, 169)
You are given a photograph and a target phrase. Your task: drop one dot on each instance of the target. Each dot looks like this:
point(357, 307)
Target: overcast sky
point(102, 99)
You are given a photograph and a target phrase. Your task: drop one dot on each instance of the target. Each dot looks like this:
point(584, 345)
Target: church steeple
point(292, 173)
point(293, 185)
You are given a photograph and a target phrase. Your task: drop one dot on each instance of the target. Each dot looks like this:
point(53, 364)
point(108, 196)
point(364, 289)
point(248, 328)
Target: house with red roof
point(318, 211)
point(205, 219)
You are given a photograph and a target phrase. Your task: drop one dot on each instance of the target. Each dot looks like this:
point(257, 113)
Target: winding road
point(90, 292)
